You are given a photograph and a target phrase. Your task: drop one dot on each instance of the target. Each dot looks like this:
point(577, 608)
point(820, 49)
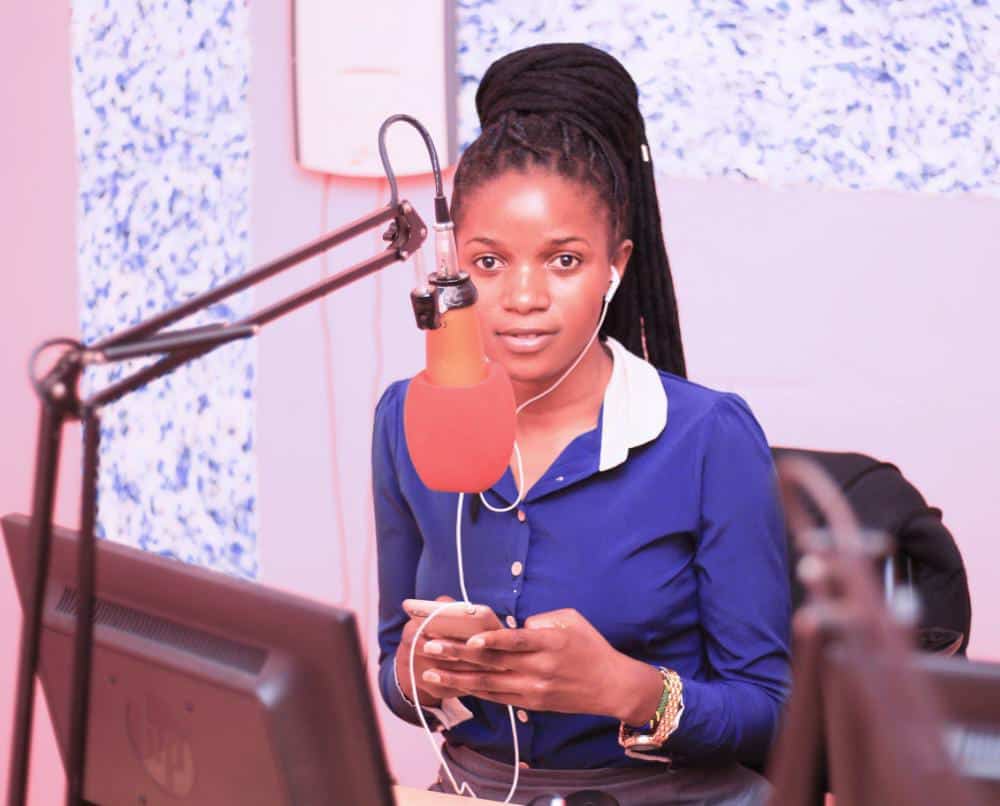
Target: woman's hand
point(430, 693)
point(557, 662)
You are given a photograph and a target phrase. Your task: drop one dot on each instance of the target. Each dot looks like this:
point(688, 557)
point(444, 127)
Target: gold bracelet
point(664, 722)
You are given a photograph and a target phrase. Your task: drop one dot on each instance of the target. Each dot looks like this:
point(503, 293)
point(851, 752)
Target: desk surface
point(405, 796)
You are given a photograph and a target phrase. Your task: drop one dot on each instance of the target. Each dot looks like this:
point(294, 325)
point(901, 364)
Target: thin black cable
point(33, 376)
point(45, 345)
point(383, 154)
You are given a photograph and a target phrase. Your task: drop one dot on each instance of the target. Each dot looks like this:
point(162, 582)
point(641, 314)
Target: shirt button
point(511, 622)
point(516, 569)
point(522, 715)
point(521, 515)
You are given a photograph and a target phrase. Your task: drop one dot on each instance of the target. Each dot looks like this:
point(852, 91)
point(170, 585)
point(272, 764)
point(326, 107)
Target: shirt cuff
point(694, 735)
point(450, 713)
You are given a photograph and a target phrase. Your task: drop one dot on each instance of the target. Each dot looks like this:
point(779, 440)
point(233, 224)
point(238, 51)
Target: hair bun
point(580, 83)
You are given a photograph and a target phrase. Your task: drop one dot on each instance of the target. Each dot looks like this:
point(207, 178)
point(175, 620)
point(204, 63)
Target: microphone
point(459, 413)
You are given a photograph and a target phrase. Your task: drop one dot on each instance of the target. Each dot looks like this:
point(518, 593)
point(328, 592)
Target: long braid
point(575, 109)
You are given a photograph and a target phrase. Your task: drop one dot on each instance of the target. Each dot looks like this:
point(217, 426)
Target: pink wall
point(857, 321)
point(38, 296)
point(887, 349)
point(851, 321)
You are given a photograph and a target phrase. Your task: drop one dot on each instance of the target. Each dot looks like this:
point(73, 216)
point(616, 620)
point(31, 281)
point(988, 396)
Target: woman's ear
point(619, 258)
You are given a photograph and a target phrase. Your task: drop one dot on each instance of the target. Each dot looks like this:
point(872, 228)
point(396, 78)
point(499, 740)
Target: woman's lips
point(525, 341)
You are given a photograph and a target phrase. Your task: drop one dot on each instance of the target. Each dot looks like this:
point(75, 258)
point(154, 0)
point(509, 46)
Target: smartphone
point(460, 621)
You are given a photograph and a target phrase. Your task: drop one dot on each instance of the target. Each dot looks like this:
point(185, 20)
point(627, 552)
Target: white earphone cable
point(605, 304)
point(464, 788)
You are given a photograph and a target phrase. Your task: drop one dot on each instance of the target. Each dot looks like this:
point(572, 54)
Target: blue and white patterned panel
point(901, 94)
point(162, 122)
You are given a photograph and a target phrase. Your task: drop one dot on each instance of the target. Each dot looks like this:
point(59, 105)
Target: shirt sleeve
point(743, 590)
point(399, 546)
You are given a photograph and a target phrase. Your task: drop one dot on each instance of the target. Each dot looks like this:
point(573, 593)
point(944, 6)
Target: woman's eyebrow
point(567, 239)
point(548, 244)
point(483, 240)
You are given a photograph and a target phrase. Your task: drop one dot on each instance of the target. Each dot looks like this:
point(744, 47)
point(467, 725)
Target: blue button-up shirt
point(662, 527)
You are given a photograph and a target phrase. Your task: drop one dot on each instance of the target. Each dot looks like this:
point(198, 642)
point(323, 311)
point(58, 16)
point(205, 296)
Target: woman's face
point(538, 248)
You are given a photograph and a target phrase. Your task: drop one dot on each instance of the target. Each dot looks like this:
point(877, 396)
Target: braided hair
point(574, 110)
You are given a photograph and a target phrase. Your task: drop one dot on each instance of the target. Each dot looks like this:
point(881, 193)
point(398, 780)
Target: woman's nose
point(526, 289)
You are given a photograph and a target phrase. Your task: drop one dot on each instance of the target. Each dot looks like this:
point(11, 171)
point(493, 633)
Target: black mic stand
point(60, 403)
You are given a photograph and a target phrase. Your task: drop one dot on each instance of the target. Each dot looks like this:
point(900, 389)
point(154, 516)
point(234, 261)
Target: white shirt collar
point(635, 406)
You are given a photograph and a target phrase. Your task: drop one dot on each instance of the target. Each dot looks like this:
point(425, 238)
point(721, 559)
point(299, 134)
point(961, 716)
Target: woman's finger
point(475, 682)
point(536, 640)
point(449, 650)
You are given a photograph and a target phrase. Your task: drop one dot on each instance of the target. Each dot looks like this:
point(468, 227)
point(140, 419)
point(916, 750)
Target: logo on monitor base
point(160, 743)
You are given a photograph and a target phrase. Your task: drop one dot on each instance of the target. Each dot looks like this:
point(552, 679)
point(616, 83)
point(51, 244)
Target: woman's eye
point(567, 261)
point(487, 262)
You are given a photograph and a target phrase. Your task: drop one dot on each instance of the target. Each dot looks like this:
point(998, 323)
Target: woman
point(642, 578)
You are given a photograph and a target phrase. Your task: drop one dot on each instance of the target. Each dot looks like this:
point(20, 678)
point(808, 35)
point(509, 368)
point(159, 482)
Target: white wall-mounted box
point(357, 63)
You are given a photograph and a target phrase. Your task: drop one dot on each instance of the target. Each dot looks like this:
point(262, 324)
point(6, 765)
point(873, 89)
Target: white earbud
point(612, 286)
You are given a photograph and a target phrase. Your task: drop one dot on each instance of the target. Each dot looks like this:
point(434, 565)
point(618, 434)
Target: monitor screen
point(969, 695)
point(206, 689)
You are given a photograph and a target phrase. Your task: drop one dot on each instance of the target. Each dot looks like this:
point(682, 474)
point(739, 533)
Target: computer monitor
point(206, 690)
point(969, 695)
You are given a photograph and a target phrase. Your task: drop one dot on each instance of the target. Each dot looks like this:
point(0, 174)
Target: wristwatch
point(638, 742)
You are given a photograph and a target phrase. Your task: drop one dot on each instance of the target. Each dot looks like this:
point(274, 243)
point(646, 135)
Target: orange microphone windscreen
point(460, 438)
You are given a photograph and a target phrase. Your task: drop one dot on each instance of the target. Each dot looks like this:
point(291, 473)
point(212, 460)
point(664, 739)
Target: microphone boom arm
point(60, 402)
point(406, 232)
